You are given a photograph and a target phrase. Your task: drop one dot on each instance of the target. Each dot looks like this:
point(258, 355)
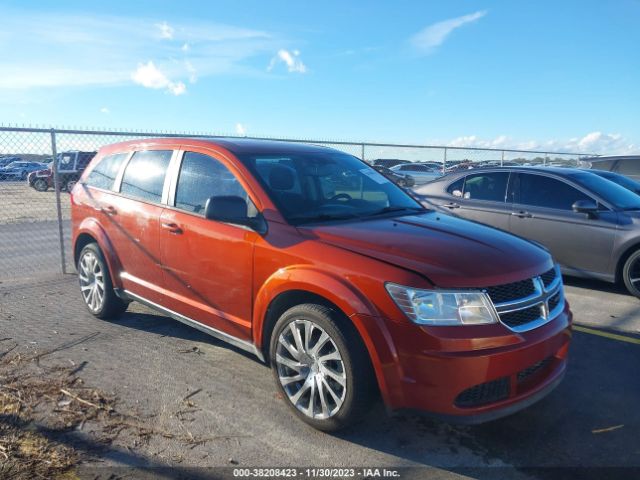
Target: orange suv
point(318, 264)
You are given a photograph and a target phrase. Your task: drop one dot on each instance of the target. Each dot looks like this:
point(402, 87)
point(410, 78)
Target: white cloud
point(241, 130)
point(427, 39)
point(166, 30)
point(105, 110)
point(148, 75)
point(593, 142)
point(36, 48)
point(290, 59)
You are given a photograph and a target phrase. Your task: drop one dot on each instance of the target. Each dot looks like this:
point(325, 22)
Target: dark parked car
point(401, 179)
point(70, 166)
point(388, 162)
point(622, 180)
point(591, 225)
point(628, 165)
point(18, 170)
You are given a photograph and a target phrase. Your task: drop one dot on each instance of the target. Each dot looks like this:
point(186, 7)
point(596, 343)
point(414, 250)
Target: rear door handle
point(109, 210)
point(172, 227)
point(521, 214)
point(451, 205)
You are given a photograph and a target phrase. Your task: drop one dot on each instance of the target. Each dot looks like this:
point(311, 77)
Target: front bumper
point(472, 380)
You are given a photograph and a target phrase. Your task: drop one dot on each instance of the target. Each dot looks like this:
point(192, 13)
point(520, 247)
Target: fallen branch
point(81, 400)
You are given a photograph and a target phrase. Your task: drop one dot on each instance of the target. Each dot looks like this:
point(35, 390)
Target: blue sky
point(545, 74)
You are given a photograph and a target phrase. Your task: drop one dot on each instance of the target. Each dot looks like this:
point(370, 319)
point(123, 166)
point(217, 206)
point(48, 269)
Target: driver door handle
point(172, 227)
point(451, 205)
point(521, 214)
point(109, 210)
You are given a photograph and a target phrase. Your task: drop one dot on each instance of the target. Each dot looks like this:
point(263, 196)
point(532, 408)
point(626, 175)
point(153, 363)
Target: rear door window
point(491, 186)
point(144, 176)
point(105, 172)
point(547, 192)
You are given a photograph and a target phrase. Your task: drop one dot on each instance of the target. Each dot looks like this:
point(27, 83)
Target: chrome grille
point(529, 304)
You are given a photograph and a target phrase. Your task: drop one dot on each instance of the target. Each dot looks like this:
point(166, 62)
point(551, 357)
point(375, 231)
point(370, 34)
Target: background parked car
point(591, 225)
point(420, 173)
point(401, 179)
point(628, 165)
point(70, 166)
point(388, 162)
point(4, 161)
point(622, 180)
point(18, 170)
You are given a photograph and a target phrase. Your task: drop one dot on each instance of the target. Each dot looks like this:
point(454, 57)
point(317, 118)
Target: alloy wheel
point(91, 279)
point(311, 370)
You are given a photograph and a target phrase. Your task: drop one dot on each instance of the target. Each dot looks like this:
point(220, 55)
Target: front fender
point(90, 226)
point(362, 313)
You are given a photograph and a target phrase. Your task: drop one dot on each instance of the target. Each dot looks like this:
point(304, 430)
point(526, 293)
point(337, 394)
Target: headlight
point(438, 307)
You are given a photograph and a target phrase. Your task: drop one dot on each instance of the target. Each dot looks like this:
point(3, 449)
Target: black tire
point(631, 271)
point(69, 184)
point(23, 176)
point(360, 384)
point(40, 184)
point(111, 306)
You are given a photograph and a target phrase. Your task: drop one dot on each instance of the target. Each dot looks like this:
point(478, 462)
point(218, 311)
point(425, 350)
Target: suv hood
point(449, 252)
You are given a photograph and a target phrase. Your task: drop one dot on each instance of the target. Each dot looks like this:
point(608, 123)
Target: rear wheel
point(40, 185)
point(631, 274)
point(321, 367)
point(96, 286)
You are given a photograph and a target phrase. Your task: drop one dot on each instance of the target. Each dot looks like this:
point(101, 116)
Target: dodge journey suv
point(319, 265)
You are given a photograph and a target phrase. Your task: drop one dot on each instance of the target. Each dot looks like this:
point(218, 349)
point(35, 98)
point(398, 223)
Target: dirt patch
point(50, 421)
point(21, 203)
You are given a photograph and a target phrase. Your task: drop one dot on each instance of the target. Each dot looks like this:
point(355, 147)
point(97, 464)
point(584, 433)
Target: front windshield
point(324, 186)
point(618, 196)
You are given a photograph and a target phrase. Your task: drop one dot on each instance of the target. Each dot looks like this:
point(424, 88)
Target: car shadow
point(164, 326)
point(593, 284)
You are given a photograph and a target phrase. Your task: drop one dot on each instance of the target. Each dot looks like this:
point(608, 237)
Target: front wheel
point(40, 185)
point(321, 367)
point(96, 286)
point(631, 274)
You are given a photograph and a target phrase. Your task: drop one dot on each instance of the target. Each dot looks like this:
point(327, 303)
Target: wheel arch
point(622, 259)
point(90, 231)
point(290, 287)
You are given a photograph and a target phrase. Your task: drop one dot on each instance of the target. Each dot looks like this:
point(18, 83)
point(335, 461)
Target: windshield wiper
point(323, 217)
point(391, 209)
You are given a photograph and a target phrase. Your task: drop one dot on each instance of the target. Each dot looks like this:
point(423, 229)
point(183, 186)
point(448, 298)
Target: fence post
point(362, 152)
point(56, 186)
point(444, 162)
point(502, 159)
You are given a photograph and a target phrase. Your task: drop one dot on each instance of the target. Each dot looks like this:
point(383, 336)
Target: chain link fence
point(35, 229)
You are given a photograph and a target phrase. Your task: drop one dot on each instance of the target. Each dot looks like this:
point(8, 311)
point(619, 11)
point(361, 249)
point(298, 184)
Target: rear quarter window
point(105, 172)
point(144, 175)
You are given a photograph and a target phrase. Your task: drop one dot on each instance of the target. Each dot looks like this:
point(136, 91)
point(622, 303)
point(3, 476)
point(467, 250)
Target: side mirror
point(586, 206)
point(233, 209)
